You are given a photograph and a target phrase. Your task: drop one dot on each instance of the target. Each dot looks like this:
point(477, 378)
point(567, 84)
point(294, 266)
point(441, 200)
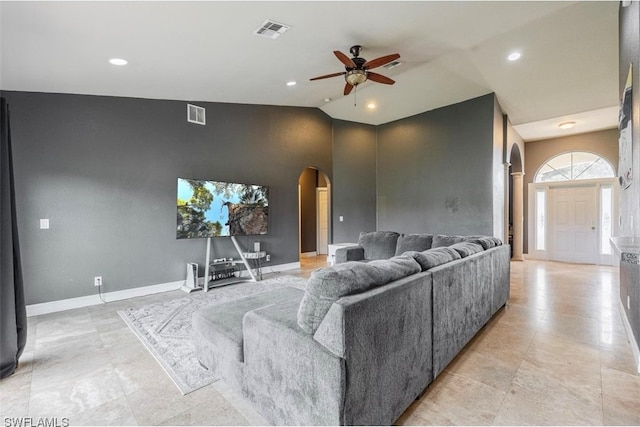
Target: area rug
point(165, 327)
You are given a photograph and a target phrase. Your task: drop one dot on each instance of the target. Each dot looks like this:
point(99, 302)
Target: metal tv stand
point(226, 269)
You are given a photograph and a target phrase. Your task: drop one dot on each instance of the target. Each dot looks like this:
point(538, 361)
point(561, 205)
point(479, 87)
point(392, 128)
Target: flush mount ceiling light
point(118, 61)
point(514, 56)
point(566, 125)
point(371, 106)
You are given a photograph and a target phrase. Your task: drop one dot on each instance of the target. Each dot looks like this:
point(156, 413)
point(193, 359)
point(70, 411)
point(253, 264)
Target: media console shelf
point(226, 272)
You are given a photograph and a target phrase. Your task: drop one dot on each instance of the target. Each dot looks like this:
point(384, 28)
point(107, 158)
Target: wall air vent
point(271, 29)
point(195, 114)
point(393, 64)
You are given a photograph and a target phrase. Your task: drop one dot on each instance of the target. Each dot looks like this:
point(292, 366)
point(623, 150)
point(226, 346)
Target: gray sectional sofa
point(364, 339)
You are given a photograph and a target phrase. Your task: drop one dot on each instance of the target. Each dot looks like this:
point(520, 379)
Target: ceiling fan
point(357, 69)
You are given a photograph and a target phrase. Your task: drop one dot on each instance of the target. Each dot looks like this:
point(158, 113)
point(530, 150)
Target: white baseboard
point(632, 339)
point(89, 300)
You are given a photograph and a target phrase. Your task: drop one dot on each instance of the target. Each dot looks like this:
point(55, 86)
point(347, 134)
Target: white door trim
point(547, 186)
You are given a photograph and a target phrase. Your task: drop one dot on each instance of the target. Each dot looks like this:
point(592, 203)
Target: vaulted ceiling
point(206, 51)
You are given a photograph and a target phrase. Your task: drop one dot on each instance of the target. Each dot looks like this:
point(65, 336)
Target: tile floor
point(557, 354)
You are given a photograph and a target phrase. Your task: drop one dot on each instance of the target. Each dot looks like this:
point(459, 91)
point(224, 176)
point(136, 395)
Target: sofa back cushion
point(413, 242)
point(467, 248)
point(433, 257)
point(440, 240)
point(487, 242)
point(378, 244)
point(327, 285)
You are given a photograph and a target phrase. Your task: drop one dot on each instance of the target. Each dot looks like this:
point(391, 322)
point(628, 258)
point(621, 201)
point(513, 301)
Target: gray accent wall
point(630, 54)
point(630, 197)
point(435, 170)
point(354, 174)
point(103, 170)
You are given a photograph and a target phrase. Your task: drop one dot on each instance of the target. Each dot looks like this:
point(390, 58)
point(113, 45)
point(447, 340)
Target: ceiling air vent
point(271, 29)
point(393, 64)
point(195, 114)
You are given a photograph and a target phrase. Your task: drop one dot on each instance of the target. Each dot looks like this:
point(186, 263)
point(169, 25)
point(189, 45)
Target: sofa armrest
point(289, 377)
point(349, 253)
point(384, 335)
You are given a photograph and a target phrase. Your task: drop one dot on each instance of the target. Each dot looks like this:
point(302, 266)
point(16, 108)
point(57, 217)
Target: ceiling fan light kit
point(357, 69)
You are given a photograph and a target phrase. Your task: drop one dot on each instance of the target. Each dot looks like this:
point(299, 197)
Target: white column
point(518, 216)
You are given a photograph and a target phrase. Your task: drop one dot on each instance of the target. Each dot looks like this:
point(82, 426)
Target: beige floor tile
point(113, 413)
point(537, 399)
point(557, 354)
point(495, 371)
point(66, 398)
point(14, 395)
point(216, 410)
point(621, 397)
point(457, 400)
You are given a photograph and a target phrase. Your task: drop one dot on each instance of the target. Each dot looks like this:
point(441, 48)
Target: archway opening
point(516, 203)
point(314, 198)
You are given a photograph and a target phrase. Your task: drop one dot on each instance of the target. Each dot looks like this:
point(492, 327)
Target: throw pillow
point(413, 242)
point(327, 285)
point(433, 257)
point(440, 240)
point(378, 244)
point(467, 248)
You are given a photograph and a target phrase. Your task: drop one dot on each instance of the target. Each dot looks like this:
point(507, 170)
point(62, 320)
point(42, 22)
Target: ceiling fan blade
point(380, 61)
point(329, 75)
point(344, 59)
point(347, 89)
point(379, 78)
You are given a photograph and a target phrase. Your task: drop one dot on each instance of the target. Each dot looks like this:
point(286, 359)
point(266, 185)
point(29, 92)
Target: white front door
point(573, 224)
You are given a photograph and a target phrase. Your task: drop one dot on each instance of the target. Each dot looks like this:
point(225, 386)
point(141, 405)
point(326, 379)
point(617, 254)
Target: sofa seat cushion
point(467, 248)
point(433, 257)
point(221, 324)
point(440, 240)
point(327, 285)
point(378, 244)
point(413, 242)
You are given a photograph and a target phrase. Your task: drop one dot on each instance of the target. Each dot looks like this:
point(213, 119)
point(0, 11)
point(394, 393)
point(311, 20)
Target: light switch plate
point(44, 223)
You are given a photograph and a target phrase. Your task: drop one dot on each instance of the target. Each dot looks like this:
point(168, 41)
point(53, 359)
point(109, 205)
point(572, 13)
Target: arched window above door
point(573, 166)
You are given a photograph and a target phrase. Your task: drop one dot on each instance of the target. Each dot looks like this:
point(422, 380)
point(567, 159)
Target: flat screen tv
point(215, 208)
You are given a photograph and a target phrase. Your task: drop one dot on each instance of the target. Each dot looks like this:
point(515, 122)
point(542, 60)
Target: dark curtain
point(13, 313)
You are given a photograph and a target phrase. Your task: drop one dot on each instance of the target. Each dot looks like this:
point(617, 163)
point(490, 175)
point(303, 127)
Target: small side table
point(256, 257)
point(332, 248)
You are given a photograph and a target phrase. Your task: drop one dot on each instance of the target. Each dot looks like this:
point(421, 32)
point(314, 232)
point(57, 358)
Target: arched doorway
point(314, 202)
point(572, 209)
point(516, 203)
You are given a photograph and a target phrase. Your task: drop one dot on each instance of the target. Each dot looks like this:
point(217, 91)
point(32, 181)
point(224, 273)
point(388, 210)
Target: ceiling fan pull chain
point(355, 95)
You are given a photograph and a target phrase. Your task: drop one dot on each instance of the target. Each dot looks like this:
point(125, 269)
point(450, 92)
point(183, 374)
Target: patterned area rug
point(165, 327)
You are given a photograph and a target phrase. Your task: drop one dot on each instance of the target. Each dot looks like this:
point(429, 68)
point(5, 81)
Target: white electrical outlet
point(268, 258)
point(341, 218)
point(97, 281)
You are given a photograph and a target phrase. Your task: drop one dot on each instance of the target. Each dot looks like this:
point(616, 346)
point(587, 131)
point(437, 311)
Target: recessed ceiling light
point(371, 106)
point(327, 99)
point(118, 61)
point(514, 56)
point(566, 125)
point(291, 83)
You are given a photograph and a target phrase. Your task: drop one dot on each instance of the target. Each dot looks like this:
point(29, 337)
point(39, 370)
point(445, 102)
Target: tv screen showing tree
point(214, 208)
